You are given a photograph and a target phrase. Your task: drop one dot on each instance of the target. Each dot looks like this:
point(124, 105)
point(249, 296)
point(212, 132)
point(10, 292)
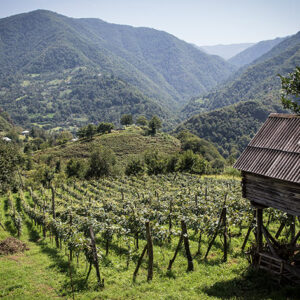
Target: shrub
point(135, 167)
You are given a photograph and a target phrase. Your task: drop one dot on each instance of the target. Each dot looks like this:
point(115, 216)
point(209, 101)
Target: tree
point(135, 167)
point(141, 120)
point(87, 131)
point(154, 125)
point(75, 168)
point(126, 120)
point(90, 131)
point(105, 127)
point(290, 86)
point(9, 160)
point(101, 163)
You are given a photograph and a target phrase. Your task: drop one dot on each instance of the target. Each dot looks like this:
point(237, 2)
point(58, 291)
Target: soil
point(12, 245)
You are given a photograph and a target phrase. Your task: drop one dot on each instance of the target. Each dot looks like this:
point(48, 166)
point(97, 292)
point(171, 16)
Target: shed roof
point(275, 149)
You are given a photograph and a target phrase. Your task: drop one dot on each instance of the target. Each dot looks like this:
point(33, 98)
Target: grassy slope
point(125, 143)
point(42, 273)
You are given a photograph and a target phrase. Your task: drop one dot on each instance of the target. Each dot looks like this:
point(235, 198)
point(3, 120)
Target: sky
point(208, 22)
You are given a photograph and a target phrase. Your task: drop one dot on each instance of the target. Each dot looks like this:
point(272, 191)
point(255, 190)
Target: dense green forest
point(157, 63)
point(230, 128)
point(259, 81)
point(73, 98)
point(255, 51)
point(5, 122)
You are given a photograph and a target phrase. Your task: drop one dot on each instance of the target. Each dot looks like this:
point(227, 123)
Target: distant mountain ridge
point(258, 81)
point(252, 53)
point(226, 51)
point(157, 63)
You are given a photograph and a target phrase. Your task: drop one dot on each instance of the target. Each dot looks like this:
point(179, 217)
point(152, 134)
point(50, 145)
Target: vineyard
point(131, 237)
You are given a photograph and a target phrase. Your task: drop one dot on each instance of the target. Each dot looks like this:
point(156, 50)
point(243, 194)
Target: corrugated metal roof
point(274, 151)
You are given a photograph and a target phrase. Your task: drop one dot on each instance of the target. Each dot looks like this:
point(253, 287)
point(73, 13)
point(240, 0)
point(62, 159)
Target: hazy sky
point(196, 21)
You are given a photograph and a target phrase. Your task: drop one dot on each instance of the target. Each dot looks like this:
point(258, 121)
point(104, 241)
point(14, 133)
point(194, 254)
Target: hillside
point(125, 144)
point(73, 98)
point(226, 51)
point(230, 128)
point(158, 64)
point(258, 82)
point(5, 122)
point(252, 53)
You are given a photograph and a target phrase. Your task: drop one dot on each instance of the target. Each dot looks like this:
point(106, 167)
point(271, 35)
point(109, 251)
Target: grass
point(43, 272)
point(126, 144)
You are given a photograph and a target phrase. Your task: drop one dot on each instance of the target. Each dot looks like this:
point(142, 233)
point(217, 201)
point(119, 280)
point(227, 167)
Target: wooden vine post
point(54, 213)
point(150, 251)
point(95, 257)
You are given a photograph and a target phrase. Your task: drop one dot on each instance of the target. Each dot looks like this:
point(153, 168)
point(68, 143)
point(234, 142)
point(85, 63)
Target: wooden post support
point(150, 252)
point(95, 257)
point(187, 246)
point(225, 235)
point(259, 223)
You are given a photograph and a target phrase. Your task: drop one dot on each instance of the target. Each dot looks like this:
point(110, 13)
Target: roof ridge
point(279, 115)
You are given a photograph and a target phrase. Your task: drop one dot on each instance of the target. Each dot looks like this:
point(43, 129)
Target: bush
point(75, 168)
point(101, 163)
point(191, 162)
point(155, 162)
point(135, 167)
point(105, 127)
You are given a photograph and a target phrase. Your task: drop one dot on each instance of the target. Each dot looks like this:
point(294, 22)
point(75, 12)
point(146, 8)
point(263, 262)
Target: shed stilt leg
point(259, 220)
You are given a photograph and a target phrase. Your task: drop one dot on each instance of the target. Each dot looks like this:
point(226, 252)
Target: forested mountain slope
point(252, 53)
point(258, 82)
point(230, 128)
point(157, 63)
point(73, 98)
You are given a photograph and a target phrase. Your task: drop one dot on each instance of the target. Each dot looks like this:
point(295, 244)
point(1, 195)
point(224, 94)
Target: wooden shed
point(270, 167)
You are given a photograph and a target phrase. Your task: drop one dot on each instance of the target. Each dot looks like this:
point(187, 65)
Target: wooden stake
point(187, 247)
point(150, 252)
point(259, 220)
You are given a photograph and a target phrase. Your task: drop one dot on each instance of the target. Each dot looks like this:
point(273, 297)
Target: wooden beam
point(259, 223)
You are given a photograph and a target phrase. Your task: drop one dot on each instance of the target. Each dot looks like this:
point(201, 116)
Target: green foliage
point(252, 53)
point(9, 161)
point(126, 120)
point(230, 128)
point(87, 131)
point(63, 137)
point(191, 162)
point(192, 142)
point(258, 81)
point(290, 85)
point(101, 163)
point(141, 120)
point(154, 125)
point(135, 167)
point(157, 63)
point(5, 122)
point(75, 168)
point(105, 127)
point(155, 162)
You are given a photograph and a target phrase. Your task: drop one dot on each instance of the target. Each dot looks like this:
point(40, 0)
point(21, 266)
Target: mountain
point(258, 81)
point(252, 53)
point(72, 98)
point(160, 65)
point(226, 51)
point(230, 128)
